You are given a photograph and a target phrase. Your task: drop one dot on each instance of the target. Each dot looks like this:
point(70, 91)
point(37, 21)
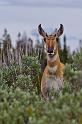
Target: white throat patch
point(52, 69)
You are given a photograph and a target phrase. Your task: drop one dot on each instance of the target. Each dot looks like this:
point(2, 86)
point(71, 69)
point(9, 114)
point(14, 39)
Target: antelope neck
point(53, 64)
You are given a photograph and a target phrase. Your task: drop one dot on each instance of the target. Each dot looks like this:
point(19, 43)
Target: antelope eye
point(57, 39)
point(44, 39)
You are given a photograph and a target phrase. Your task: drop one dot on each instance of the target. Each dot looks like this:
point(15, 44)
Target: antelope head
point(51, 41)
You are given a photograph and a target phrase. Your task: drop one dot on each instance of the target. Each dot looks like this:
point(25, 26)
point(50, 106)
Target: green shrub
point(9, 74)
point(31, 67)
point(17, 106)
point(77, 60)
point(76, 81)
point(74, 77)
point(21, 107)
point(25, 76)
point(68, 72)
point(25, 83)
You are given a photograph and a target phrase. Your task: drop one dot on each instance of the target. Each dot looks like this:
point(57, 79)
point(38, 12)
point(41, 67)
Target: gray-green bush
point(21, 101)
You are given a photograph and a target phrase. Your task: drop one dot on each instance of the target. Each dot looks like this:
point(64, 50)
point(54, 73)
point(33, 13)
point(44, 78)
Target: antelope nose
point(50, 50)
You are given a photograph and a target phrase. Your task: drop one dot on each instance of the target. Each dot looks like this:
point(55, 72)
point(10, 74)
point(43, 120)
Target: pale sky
point(26, 15)
point(72, 3)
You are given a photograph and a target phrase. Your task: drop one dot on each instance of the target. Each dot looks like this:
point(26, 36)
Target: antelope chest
point(53, 82)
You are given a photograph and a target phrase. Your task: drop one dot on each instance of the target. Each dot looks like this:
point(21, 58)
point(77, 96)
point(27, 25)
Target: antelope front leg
point(45, 93)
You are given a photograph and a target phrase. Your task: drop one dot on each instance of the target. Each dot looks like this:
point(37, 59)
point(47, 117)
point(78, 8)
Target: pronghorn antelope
point(53, 74)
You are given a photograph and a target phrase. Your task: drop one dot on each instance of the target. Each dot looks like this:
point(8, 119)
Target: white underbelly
point(54, 83)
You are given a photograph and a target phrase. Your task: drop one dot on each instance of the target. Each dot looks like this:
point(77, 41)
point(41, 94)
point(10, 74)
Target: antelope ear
point(41, 31)
point(60, 31)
